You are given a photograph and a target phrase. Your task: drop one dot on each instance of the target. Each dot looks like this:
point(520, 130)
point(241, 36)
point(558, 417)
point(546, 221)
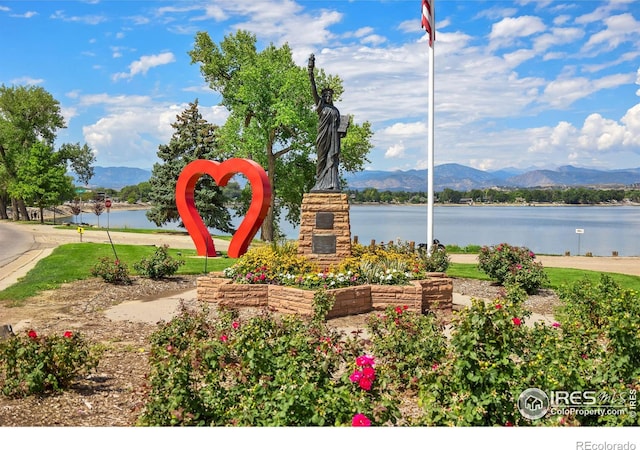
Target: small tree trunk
point(23, 209)
point(3, 207)
point(267, 229)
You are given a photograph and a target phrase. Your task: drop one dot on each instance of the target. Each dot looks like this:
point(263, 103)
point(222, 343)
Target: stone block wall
point(334, 207)
point(433, 294)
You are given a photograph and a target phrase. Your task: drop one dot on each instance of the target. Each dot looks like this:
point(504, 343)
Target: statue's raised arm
point(310, 66)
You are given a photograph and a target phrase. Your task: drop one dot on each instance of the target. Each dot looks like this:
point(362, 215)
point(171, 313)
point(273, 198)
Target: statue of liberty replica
point(331, 128)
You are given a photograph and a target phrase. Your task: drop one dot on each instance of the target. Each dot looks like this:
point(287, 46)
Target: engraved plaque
point(323, 244)
point(324, 220)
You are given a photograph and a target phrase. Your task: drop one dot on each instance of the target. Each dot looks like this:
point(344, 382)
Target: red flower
point(360, 420)
point(224, 338)
point(235, 325)
point(435, 367)
point(68, 334)
point(508, 424)
point(517, 321)
point(369, 373)
point(498, 306)
point(398, 310)
point(32, 334)
point(365, 383)
point(555, 325)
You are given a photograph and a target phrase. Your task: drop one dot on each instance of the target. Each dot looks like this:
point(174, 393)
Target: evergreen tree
point(194, 138)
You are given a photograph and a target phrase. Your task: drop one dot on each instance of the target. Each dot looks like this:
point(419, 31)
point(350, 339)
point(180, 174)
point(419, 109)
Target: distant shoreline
point(480, 205)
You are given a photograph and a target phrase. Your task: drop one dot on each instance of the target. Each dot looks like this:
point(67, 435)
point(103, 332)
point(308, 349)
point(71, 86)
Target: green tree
point(41, 179)
point(81, 160)
point(272, 119)
point(27, 115)
point(194, 138)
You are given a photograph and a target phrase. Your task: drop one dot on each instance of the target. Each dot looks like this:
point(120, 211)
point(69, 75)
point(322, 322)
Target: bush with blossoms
point(262, 371)
point(494, 354)
point(511, 265)
point(391, 264)
point(31, 363)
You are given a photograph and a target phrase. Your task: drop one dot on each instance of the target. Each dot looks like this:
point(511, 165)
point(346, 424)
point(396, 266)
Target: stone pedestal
point(325, 230)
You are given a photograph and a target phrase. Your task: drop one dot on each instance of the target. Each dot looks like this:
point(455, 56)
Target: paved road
point(14, 242)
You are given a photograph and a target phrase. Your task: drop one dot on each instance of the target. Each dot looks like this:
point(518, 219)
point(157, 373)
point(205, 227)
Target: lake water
point(543, 229)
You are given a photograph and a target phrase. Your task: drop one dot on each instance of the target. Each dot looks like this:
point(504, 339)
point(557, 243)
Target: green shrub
point(409, 344)
point(160, 265)
point(33, 364)
point(112, 271)
point(436, 261)
point(513, 265)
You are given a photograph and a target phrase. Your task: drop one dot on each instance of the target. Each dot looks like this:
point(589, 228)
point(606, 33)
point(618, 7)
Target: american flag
point(427, 20)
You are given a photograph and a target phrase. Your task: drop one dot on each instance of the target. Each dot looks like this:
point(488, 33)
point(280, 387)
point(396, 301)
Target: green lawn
point(557, 276)
point(70, 262)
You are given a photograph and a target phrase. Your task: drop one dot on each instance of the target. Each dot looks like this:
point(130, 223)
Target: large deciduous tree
point(41, 179)
point(194, 138)
point(272, 118)
point(27, 115)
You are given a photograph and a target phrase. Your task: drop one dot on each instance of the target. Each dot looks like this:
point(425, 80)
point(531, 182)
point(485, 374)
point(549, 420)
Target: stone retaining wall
point(434, 294)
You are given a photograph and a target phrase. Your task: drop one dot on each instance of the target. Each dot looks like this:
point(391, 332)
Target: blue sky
point(518, 83)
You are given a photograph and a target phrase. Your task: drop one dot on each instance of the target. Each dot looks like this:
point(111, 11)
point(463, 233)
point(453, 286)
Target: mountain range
point(452, 176)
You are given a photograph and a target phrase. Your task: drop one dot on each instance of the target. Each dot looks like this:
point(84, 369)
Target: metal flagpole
point(430, 149)
point(430, 6)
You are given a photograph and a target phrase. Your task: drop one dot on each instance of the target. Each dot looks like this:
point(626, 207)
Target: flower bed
point(434, 293)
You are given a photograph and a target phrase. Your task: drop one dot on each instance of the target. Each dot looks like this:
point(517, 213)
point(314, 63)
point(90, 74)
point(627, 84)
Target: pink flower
point(434, 367)
point(235, 325)
point(555, 325)
point(516, 321)
point(117, 262)
point(498, 306)
point(32, 334)
point(584, 356)
point(360, 420)
point(355, 376)
point(224, 338)
point(68, 334)
point(365, 360)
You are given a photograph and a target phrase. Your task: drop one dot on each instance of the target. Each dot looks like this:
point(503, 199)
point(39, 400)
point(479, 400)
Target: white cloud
point(142, 65)
point(88, 19)
point(597, 135)
point(621, 28)
point(27, 80)
point(26, 15)
point(395, 151)
point(509, 29)
point(130, 129)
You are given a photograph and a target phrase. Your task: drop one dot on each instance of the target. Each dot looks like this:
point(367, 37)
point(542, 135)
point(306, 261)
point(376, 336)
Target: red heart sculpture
point(221, 172)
